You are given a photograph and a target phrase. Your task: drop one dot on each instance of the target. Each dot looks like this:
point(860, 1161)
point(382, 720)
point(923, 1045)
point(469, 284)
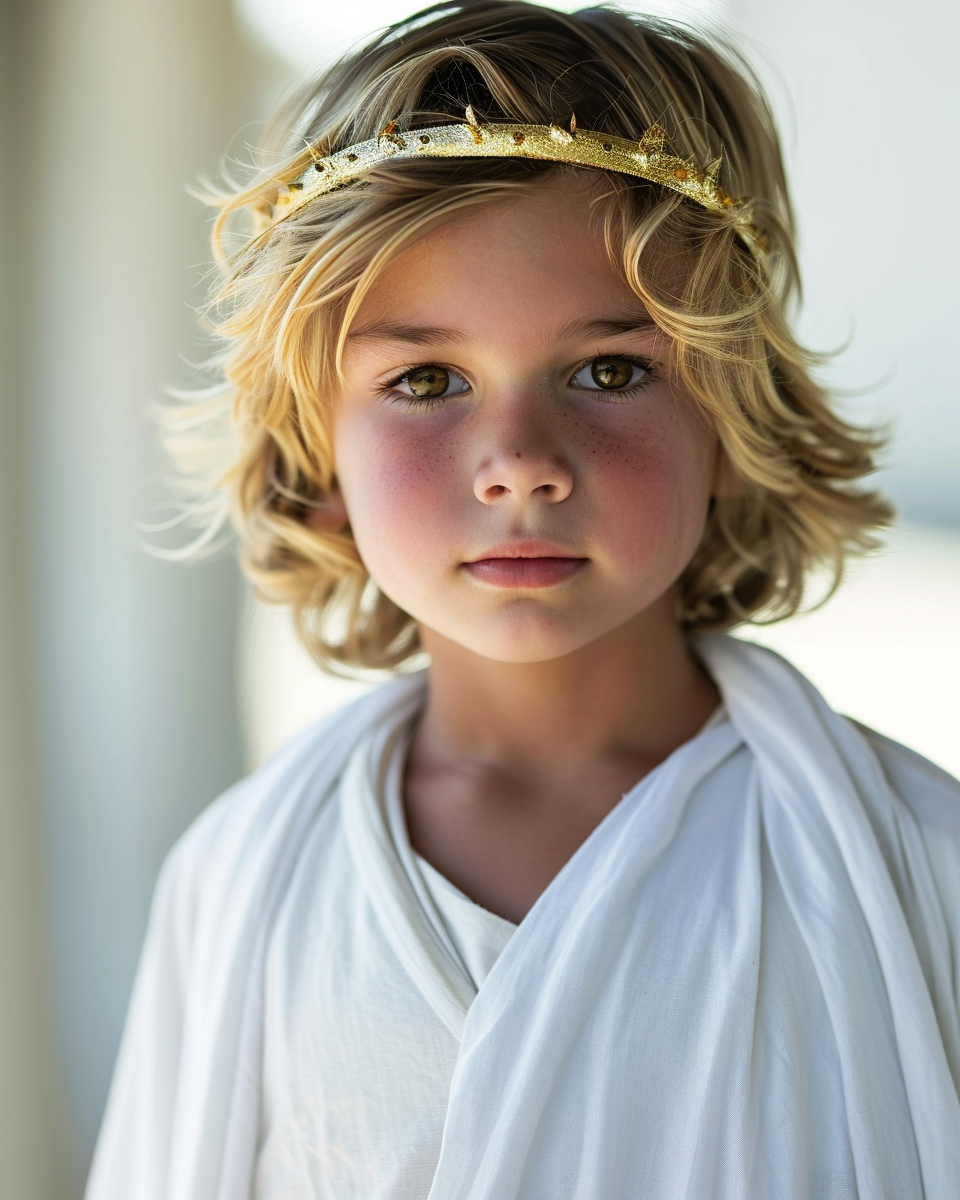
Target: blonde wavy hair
point(284, 301)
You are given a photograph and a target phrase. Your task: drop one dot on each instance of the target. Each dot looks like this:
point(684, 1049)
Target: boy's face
point(520, 474)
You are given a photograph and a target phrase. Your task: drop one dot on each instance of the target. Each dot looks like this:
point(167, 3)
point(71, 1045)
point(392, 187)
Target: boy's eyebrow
point(395, 331)
point(639, 322)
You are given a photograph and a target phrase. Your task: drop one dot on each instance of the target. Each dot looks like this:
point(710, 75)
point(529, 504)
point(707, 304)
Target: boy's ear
point(727, 484)
point(329, 515)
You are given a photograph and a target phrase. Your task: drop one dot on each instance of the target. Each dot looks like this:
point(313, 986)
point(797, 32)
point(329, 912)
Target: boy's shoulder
point(931, 793)
point(235, 835)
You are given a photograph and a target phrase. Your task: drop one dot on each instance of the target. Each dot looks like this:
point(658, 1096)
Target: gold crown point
point(393, 140)
point(712, 173)
point(473, 124)
point(653, 140)
point(573, 124)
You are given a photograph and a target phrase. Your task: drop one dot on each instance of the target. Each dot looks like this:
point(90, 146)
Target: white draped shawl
point(640, 1035)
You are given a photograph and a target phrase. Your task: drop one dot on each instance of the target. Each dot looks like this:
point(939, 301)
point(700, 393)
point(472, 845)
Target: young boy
point(599, 904)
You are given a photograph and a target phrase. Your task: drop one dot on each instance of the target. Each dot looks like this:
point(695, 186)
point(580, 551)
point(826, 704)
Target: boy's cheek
point(402, 510)
point(657, 489)
point(650, 531)
point(389, 475)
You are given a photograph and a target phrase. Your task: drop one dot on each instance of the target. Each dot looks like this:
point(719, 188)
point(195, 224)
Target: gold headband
point(644, 159)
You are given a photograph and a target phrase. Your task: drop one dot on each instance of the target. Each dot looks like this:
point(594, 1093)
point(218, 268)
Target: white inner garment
point(478, 935)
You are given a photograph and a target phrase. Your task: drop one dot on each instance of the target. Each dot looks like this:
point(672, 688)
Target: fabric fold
point(851, 858)
point(404, 909)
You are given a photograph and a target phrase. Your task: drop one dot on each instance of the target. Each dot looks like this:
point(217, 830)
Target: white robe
point(744, 984)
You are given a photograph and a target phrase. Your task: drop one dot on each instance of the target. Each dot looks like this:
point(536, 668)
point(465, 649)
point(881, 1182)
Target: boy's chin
point(517, 641)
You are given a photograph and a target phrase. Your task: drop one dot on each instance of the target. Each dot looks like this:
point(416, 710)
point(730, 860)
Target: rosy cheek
point(400, 489)
point(650, 484)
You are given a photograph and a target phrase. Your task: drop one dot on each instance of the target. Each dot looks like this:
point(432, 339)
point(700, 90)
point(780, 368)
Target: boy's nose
point(522, 470)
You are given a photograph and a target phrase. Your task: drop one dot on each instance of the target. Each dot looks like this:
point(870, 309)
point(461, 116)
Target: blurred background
point(133, 691)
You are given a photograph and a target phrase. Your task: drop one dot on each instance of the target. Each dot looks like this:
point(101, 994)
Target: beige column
point(31, 1121)
point(117, 698)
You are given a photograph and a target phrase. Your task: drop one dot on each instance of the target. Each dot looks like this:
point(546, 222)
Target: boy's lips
point(524, 565)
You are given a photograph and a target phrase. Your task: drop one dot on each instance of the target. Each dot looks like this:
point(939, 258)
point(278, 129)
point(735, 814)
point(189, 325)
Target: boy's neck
point(637, 691)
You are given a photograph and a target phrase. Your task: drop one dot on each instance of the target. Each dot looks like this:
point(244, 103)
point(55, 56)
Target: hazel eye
point(610, 374)
point(430, 383)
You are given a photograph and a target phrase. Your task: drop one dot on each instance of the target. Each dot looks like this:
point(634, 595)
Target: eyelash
point(417, 403)
point(426, 403)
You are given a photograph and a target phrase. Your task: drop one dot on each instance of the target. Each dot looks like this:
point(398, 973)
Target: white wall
point(868, 94)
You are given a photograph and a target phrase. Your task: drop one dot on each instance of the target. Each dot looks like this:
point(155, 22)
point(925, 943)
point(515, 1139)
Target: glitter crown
point(646, 159)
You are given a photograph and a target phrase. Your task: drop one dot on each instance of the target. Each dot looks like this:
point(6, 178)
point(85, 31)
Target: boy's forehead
point(538, 260)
